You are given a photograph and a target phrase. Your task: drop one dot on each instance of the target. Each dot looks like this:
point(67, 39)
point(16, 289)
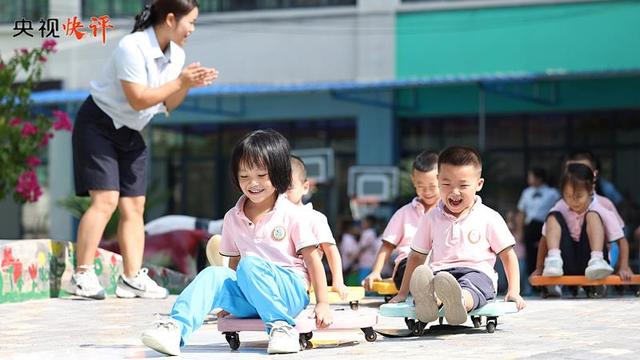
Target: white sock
point(554, 253)
point(597, 255)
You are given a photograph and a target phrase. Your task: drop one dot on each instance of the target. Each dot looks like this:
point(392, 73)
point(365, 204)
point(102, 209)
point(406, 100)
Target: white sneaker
point(86, 284)
point(554, 290)
point(597, 269)
point(140, 285)
point(283, 338)
point(552, 266)
point(421, 287)
point(448, 290)
point(163, 336)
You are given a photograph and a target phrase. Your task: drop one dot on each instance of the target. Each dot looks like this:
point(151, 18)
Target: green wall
point(570, 95)
point(571, 37)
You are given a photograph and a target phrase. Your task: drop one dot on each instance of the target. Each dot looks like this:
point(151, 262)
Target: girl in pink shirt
point(263, 236)
point(576, 228)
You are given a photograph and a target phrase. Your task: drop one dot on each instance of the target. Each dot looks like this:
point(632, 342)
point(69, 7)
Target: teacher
point(143, 76)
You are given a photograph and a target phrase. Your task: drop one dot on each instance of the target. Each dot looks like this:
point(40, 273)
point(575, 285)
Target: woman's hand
point(195, 75)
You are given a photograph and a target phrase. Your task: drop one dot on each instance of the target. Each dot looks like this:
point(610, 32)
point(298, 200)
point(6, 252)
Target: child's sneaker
point(552, 266)
point(283, 338)
point(597, 269)
point(140, 285)
point(450, 293)
point(86, 284)
point(421, 287)
point(554, 291)
point(163, 336)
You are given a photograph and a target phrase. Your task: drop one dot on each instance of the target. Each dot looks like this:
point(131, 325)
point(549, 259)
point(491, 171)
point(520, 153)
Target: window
point(517, 142)
point(129, 8)
point(32, 10)
point(244, 5)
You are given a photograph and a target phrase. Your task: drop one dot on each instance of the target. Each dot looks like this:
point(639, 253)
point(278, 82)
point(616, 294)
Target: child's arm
point(512, 270)
point(624, 270)
point(383, 256)
point(233, 262)
point(415, 259)
point(319, 283)
point(335, 265)
point(233, 265)
point(542, 253)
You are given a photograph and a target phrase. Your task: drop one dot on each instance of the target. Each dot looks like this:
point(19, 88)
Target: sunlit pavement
point(554, 329)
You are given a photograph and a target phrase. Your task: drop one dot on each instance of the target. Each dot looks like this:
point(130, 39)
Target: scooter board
point(356, 293)
point(343, 319)
point(576, 281)
point(492, 310)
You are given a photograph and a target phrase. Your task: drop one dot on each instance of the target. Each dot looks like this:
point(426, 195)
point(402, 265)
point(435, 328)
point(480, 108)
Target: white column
point(60, 185)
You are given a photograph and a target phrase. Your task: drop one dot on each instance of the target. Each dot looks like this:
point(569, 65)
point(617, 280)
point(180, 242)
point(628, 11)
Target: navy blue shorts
point(476, 282)
point(105, 158)
point(397, 277)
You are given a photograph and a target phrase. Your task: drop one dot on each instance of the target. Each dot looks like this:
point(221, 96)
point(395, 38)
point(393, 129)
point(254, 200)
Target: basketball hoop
point(363, 206)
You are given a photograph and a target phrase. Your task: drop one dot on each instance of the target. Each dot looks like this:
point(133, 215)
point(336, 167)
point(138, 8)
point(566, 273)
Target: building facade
point(377, 81)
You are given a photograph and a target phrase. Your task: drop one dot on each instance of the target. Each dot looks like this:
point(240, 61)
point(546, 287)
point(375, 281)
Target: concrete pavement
point(546, 329)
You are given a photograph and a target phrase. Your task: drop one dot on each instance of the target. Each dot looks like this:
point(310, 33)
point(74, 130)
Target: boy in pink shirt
point(319, 224)
point(263, 235)
point(403, 224)
point(463, 236)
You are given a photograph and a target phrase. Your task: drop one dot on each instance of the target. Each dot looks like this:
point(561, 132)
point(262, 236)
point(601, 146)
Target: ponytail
point(157, 12)
point(143, 20)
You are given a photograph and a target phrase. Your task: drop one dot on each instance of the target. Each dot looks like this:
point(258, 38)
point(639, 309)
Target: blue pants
point(257, 289)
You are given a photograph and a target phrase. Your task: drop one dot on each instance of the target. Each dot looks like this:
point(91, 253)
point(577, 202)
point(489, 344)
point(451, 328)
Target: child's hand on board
point(342, 290)
point(323, 315)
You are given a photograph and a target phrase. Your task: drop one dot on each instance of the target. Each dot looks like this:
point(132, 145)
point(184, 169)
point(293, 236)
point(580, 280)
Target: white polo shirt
point(138, 59)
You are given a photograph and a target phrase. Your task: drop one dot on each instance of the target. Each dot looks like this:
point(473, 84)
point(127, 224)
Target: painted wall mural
point(40, 269)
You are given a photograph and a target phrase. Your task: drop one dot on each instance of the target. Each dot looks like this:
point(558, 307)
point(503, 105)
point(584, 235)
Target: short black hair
point(263, 148)
point(539, 173)
point(460, 156)
point(425, 161)
point(296, 162)
point(579, 176)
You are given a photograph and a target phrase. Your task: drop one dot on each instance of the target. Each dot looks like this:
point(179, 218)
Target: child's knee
point(216, 271)
point(248, 264)
point(552, 224)
point(593, 219)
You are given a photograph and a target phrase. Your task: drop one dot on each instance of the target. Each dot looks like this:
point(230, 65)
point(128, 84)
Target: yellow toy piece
point(356, 293)
point(213, 251)
point(386, 288)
